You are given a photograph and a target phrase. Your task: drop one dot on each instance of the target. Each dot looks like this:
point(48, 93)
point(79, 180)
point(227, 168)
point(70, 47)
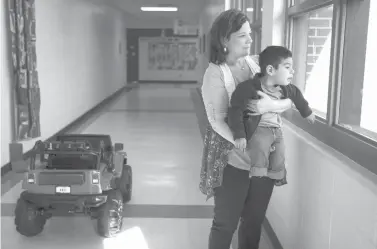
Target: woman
point(224, 173)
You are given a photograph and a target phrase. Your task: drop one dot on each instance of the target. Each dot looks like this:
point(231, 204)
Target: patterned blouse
point(218, 86)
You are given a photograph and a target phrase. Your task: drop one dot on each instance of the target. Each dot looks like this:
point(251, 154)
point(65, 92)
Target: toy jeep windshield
point(77, 174)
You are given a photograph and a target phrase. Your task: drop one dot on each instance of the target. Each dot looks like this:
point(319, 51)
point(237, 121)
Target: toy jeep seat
point(97, 142)
point(100, 143)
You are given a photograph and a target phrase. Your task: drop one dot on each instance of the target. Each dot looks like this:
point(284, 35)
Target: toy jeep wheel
point(28, 220)
point(110, 218)
point(125, 183)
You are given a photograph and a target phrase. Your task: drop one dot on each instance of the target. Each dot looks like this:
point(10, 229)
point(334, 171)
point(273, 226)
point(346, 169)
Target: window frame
point(256, 24)
point(355, 146)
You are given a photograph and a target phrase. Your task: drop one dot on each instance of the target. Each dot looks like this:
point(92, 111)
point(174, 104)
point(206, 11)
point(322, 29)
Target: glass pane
point(358, 91)
point(250, 8)
point(257, 34)
point(255, 17)
point(294, 2)
point(249, 5)
point(260, 6)
point(312, 56)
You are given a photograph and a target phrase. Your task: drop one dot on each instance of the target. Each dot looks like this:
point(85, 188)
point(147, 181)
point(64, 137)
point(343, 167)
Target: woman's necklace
point(240, 66)
point(239, 71)
point(243, 65)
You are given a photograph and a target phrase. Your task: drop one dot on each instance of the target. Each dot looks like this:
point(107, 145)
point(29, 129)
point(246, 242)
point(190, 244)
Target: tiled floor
point(159, 128)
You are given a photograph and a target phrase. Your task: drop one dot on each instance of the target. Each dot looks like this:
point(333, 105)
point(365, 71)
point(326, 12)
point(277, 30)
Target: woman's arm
point(216, 102)
point(266, 104)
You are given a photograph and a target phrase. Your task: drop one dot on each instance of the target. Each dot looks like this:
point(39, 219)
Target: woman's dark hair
point(226, 23)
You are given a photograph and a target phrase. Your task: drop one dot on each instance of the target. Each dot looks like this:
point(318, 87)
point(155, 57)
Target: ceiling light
point(250, 9)
point(159, 8)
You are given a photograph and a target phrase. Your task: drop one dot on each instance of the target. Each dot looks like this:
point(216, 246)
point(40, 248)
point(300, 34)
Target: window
point(254, 10)
point(358, 90)
point(312, 71)
point(294, 2)
point(334, 50)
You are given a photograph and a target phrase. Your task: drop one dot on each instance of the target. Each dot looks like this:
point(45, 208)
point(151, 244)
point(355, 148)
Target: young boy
point(261, 135)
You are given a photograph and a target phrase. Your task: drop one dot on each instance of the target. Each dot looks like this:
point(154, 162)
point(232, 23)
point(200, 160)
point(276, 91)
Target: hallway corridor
point(160, 129)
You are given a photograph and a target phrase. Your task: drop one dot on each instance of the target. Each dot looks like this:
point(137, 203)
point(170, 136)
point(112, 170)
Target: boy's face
point(283, 75)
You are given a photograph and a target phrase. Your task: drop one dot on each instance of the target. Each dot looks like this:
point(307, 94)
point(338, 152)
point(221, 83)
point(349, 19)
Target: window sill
point(348, 144)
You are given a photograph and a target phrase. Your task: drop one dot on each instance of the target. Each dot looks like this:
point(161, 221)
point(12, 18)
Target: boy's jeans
point(267, 152)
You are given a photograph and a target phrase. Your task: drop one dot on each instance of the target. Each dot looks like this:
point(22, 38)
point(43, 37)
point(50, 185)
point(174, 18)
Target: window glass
point(311, 53)
point(249, 5)
point(294, 2)
point(359, 89)
point(254, 10)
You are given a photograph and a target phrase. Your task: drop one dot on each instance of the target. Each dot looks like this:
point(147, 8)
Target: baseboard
point(266, 224)
point(271, 235)
point(5, 169)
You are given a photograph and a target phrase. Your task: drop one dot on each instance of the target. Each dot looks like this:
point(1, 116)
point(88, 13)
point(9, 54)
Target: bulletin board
point(168, 59)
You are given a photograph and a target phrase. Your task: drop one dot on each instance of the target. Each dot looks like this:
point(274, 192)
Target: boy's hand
point(311, 118)
point(240, 143)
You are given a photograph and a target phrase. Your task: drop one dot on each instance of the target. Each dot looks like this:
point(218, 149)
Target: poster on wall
point(27, 100)
point(170, 59)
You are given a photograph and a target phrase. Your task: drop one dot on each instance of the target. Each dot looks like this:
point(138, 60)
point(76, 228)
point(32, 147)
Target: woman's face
point(239, 42)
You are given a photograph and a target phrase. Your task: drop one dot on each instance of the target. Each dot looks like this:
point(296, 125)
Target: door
point(132, 56)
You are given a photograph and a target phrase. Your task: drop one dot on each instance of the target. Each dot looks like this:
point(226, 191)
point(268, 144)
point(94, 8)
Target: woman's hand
point(260, 106)
point(266, 104)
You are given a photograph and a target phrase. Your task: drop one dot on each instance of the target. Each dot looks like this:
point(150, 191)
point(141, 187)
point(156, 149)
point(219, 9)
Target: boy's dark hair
point(272, 55)
point(225, 24)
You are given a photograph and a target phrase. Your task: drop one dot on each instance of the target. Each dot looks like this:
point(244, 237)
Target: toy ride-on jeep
point(75, 174)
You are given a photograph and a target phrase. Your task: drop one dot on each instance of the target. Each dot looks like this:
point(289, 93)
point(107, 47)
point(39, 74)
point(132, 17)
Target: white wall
point(330, 202)
point(79, 63)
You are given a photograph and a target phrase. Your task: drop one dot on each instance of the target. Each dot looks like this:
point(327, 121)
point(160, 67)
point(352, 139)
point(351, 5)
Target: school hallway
point(134, 70)
point(159, 127)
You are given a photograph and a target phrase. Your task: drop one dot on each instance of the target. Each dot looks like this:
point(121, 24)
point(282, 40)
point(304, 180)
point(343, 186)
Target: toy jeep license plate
point(63, 189)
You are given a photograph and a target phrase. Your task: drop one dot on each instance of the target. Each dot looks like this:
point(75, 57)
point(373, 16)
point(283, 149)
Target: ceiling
point(188, 10)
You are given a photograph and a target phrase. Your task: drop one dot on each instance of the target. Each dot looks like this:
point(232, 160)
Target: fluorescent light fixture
point(159, 8)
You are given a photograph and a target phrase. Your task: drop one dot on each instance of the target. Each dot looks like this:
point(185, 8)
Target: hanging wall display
point(168, 59)
point(25, 85)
